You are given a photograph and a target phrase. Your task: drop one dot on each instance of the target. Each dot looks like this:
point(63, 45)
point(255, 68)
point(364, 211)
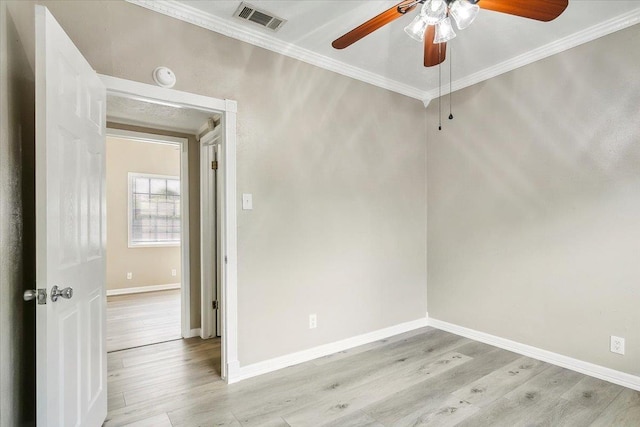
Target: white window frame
point(132, 245)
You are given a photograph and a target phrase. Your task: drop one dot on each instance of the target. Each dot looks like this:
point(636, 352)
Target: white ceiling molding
point(600, 30)
point(257, 38)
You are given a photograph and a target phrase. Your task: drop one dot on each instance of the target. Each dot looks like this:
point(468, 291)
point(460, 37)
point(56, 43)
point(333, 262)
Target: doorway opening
point(147, 215)
point(222, 122)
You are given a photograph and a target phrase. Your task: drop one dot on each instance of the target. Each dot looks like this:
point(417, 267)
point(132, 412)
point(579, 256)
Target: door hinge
point(214, 165)
point(214, 305)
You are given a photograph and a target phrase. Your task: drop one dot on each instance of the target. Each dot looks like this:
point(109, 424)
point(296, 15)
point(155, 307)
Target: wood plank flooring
point(141, 319)
point(423, 378)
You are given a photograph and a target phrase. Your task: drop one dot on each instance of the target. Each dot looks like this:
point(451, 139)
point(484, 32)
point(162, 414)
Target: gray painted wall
point(17, 326)
point(534, 204)
point(533, 191)
point(336, 168)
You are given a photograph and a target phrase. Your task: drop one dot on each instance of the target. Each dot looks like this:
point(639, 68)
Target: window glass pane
point(165, 209)
point(141, 185)
point(155, 204)
point(173, 187)
point(158, 186)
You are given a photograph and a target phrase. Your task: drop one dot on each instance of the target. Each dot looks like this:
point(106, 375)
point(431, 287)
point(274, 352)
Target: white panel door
point(70, 232)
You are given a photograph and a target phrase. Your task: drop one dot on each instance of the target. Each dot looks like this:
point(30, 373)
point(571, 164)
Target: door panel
point(70, 231)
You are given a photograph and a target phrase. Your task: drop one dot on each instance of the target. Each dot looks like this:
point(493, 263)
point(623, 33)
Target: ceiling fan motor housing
point(404, 8)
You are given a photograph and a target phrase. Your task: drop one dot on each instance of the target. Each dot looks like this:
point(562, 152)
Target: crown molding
point(589, 34)
point(255, 37)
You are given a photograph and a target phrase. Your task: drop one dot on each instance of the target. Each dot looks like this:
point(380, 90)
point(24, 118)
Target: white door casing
point(209, 278)
point(219, 248)
point(70, 231)
point(226, 177)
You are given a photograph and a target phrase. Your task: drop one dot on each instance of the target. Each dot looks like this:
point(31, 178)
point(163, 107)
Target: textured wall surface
point(534, 201)
point(17, 353)
point(336, 168)
point(149, 265)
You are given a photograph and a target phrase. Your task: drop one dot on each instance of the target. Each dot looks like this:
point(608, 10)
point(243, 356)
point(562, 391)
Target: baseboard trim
point(238, 373)
point(141, 289)
point(591, 369)
point(193, 333)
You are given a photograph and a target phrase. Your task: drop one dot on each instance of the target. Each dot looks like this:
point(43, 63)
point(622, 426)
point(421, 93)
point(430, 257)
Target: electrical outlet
point(617, 345)
point(129, 275)
point(174, 272)
point(313, 321)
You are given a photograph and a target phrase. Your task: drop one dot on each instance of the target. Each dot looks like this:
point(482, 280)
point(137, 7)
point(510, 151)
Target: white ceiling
point(493, 44)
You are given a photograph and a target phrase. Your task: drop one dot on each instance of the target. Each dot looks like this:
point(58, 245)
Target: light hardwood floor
point(141, 319)
point(423, 378)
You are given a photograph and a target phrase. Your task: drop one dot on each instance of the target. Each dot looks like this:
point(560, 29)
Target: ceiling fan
point(433, 24)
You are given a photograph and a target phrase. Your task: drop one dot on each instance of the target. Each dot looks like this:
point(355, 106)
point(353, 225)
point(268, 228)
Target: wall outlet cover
point(129, 276)
point(313, 321)
point(617, 345)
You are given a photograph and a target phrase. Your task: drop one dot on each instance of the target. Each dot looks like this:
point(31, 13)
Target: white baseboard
point(591, 369)
point(193, 333)
point(238, 373)
point(140, 289)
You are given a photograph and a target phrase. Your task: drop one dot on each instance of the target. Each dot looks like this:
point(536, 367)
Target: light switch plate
point(247, 202)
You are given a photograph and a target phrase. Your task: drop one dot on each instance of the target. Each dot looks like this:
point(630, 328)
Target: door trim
point(227, 173)
point(209, 231)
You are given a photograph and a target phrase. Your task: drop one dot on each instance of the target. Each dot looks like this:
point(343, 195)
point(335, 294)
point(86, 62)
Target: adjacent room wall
point(336, 168)
point(17, 226)
point(534, 204)
point(149, 265)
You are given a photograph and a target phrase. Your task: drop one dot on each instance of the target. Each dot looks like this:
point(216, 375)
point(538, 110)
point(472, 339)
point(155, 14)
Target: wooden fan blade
point(371, 25)
point(434, 53)
point(540, 10)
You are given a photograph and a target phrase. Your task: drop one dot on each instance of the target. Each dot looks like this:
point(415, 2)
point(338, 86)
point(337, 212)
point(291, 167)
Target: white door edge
point(207, 236)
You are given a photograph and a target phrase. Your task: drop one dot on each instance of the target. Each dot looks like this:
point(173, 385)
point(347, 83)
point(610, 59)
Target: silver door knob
point(39, 294)
point(65, 293)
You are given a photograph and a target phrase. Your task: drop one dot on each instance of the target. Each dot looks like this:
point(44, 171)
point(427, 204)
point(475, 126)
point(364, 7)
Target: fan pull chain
point(450, 79)
point(440, 87)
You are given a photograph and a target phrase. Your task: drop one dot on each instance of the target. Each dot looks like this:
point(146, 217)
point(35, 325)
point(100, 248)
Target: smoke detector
point(164, 77)
point(265, 19)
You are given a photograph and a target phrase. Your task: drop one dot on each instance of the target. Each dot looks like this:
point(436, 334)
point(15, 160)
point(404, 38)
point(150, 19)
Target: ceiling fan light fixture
point(464, 12)
point(444, 31)
point(434, 11)
point(416, 29)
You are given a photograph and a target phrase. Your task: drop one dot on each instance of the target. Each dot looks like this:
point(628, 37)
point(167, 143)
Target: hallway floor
point(141, 319)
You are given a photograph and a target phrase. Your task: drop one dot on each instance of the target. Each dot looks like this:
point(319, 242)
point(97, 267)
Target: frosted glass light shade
point(416, 29)
point(444, 31)
point(434, 11)
point(464, 13)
